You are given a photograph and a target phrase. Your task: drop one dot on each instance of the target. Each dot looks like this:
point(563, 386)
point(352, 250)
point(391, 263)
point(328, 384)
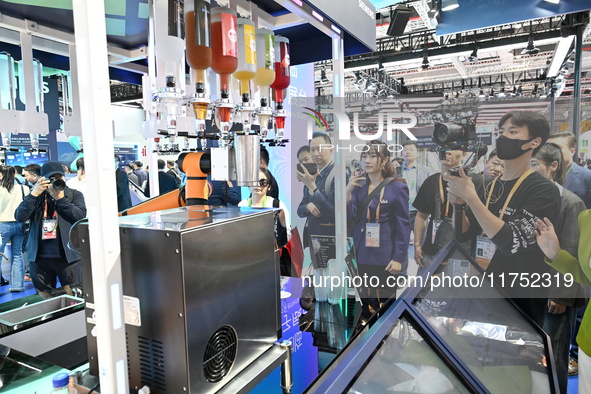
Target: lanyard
point(443, 197)
point(378, 208)
point(45, 210)
point(511, 193)
point(571, 167)
point(264, 202)
point(411, 175)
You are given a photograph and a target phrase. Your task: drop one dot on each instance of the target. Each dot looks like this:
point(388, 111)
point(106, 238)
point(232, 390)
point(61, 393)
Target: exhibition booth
point(178, 295)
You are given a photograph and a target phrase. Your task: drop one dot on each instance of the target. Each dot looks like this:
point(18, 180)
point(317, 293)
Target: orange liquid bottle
point(224, 46)
point(198, 37)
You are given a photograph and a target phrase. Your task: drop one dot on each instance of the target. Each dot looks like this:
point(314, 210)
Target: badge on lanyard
point(485, 250)
point(49, 224)
point(372, 235)
point(436, 224)
point(49, 229)
point(372, 230)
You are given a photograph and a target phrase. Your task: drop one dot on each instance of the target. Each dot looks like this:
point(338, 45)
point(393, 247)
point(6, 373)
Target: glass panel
point(405, 362)
point(487, 332)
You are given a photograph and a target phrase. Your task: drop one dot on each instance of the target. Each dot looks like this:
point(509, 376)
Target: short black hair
point(265, 155)
point(161, 164)
point(305, 148)
point(492, 154)
point(170, 162)
point(80, 164)
point(138, 163)
point(129, 165)
point(537, 124)
point(320, 134)
point(411, 142)
point(18, 169)
point(33, 168)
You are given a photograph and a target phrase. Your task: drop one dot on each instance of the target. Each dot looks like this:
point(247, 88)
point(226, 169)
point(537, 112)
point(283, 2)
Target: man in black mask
point(503, 216)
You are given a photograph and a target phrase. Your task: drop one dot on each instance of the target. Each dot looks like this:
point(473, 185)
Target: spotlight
point(531, 48)
point(447, 5)
point(323, 77)
point(425, 64)
point(369, 85)
point(474, 55)
point(358, 79)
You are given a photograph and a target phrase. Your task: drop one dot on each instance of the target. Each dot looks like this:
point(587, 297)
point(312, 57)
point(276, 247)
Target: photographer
point(504, 215)
point(52, 208)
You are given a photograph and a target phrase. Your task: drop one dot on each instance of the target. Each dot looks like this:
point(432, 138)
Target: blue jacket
point(578, 181)
point(69, 209)
point(394, 223)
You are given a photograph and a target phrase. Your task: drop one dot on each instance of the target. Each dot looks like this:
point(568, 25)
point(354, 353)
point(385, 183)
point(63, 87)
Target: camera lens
point(58, 184)
point(445, 133)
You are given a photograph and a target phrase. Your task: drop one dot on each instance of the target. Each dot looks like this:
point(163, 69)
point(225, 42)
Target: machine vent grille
point(152, 364)
point(220, 354)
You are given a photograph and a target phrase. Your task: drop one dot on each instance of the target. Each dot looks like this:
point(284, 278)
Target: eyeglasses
point(263, 182)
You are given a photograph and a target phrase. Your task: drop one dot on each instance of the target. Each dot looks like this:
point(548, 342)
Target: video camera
point(459, 136)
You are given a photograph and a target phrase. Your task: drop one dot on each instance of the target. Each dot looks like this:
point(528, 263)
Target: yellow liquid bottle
point(264, 77)
point(244, 77)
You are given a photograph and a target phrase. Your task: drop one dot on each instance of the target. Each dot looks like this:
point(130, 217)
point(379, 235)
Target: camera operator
point(52, 208)
point(432, 202)
point(503, 216)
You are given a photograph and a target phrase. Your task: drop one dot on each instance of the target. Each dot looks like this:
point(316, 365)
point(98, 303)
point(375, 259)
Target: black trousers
point(45, 271)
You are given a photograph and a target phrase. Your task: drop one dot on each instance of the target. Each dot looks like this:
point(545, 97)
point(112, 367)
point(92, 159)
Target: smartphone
point(311, 167)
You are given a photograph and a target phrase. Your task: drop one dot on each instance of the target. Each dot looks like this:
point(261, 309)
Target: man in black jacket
point(52, 208)
point(123, 196)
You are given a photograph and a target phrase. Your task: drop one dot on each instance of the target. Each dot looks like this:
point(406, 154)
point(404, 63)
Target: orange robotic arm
point(196, 165)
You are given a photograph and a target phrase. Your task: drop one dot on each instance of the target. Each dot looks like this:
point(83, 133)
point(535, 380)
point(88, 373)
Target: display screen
point(497, 342)
point(22, 157)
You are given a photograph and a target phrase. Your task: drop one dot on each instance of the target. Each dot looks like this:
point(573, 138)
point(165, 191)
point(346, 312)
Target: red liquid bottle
point(224, 45)
point(281, 69)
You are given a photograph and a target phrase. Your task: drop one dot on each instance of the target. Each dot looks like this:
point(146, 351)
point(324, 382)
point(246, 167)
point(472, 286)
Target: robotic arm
point(195, 192)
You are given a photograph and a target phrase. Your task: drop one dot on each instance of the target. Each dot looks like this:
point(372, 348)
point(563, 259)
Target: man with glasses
point(317, 205)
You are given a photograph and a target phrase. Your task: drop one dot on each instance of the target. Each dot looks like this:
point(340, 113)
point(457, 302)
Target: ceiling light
point(552, 1)
point(447, 5)
point(425, 64)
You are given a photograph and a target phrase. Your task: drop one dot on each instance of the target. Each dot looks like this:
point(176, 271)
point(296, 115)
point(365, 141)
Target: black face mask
point(509, 149)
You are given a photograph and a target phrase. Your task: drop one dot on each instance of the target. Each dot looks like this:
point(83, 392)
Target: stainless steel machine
point(201, 295)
